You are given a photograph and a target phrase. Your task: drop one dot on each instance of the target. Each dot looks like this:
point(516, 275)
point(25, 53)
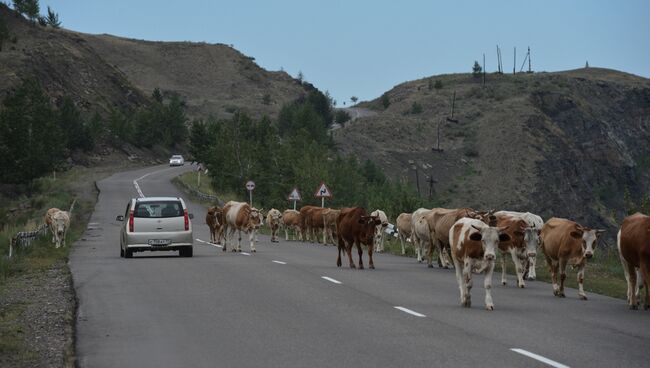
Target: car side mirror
point(119, 218)
point(191, 216)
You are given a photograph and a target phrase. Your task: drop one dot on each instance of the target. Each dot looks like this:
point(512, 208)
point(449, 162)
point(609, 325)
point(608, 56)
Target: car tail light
point(131, 221)
point(187, 220)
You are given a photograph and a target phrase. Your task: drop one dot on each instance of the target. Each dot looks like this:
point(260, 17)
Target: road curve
point(288, 305)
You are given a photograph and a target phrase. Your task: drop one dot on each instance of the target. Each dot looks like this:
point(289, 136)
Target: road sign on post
point(295, 197)
point(250, 185)
point(323, 192)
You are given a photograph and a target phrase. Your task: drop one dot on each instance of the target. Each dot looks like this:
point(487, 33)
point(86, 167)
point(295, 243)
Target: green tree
point(31, 9)
point(76, 133)
point(97, 128)
point(53, 18)
point(120, 129)
point(476, 69)
point(4, 30)
point(385, 100)
point(31, 143)
point(416, 108)
point(200, 140)
point(354, 99)
point(438, 84)
point(20, 6)
point(341, 116)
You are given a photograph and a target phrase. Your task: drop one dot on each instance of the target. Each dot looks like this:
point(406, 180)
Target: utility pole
point(514, 64)
point(483, 69)
point(530, 70)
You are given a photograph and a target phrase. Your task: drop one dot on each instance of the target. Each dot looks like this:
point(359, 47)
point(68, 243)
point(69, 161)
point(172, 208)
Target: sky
point(364, 48)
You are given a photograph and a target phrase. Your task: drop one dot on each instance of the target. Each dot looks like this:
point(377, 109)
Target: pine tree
point(4, 31)
point(77, 134)
point(52, 18)
point(477, 69)
point(32, 9)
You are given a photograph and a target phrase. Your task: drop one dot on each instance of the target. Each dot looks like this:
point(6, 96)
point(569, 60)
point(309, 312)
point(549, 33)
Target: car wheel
point(186, 252)
point(128, 253)
point(121, 252)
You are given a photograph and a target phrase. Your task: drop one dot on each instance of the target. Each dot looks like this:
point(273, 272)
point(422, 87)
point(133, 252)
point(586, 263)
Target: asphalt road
point(274, 308)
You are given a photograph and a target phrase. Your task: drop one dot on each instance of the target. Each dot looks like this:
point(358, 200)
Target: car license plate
point(159, 242)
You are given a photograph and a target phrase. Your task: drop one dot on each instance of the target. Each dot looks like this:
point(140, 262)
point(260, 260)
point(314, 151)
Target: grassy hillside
point(565, 144)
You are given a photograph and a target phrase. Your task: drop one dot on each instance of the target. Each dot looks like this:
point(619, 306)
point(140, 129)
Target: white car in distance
point(176, 160)
point(156, 224)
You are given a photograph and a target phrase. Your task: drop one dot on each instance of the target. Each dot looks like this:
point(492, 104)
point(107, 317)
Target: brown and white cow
point(633, 241)
point(214, 220)
point(531, 238)
point(58, 222)
point(355, 227)
point(380, 234)
point(516, 228)
point(240, 216)
point(473, 249)
point(330, 216)
point(274, 219)
point(565, 242)
point(403, 224)
point(291, 219)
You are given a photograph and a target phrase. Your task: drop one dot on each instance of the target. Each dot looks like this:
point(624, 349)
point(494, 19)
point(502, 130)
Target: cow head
point(589, 238)
point(369, 224)
point(532, 240)
point(255, 219)
point(489, 237)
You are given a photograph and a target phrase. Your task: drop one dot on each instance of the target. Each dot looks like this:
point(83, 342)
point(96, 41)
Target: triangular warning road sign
point(294, 195)
point(323, 191)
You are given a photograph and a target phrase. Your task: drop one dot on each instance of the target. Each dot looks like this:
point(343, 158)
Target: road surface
point(288, 305)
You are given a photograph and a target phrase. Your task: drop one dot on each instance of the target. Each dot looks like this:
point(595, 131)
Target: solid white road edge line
point(209, 243)
point(331, 280)
point(550, 362)
point(413, 313)
point(279, 262)
point(137, 186)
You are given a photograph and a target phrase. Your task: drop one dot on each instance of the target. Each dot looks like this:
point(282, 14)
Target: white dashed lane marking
point(331, 280)
point(542, 359)
point(279, 262)
point(208, 243)
point(413, 313)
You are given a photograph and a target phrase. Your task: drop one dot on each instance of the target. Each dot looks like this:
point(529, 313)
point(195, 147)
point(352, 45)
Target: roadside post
point(295, 197)
point(250, 185)
point(323, 192)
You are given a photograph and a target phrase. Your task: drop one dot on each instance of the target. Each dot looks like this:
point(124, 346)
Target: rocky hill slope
point(565, 144)
point(102, 71)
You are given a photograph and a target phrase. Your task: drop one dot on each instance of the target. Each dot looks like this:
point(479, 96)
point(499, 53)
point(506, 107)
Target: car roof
point(157, 199)
point(177, 155)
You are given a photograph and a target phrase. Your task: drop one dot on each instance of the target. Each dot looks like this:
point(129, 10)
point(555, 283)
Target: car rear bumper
point(149, 248)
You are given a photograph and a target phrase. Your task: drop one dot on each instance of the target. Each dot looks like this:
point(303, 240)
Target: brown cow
point(633, 241)
point(355, 227)
point(312, 221)
point(473, 248)
point(516, 228)
point(566, 242)
point(330, 216)
point(273, 219)
point(403, 224)
point(240, 216)
point(214, 220)
point(440, 222)
point(291, 219)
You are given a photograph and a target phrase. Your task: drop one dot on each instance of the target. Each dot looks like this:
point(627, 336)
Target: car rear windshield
point(177, 157)
point(158, 209)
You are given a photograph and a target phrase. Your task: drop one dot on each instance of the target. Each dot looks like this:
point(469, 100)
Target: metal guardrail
point(200, 194)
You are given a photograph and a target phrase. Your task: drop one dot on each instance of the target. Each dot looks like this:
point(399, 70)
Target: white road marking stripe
point(137, 186)
point(245, 254)
point(280, 262)
point(199, 240)
point(550, 362)
point(331, 280)
point(413, 313)
point(209, 243)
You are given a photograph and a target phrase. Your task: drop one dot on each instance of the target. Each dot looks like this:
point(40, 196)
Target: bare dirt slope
point(102, 71)
point(564, 144)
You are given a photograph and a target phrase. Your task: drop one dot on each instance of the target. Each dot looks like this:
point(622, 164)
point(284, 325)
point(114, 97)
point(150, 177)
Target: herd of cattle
point(467, 239)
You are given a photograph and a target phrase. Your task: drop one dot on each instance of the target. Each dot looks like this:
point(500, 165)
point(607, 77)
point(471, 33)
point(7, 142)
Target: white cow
point(531, 236)
point(473, 249)
point(58, 222)
point(379, 229)
point(420, 233)
point(274, 219)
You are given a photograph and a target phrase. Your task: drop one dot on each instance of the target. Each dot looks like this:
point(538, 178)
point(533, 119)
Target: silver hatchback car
point(156, 224)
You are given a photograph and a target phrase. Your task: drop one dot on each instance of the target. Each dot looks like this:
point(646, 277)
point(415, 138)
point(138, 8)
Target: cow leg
point(430, 255)
point(645, 274)
point(401, 240)
point(238, 249)
point(562, 264)
point(251, 237)
point(459, 279)
point(581, 280)
point(487, 283)
point(467, 282)
point(371, 263)
point(519, 268)
point(360, 251)
point(503, 269)
point(532, 262)
point(348, 250)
